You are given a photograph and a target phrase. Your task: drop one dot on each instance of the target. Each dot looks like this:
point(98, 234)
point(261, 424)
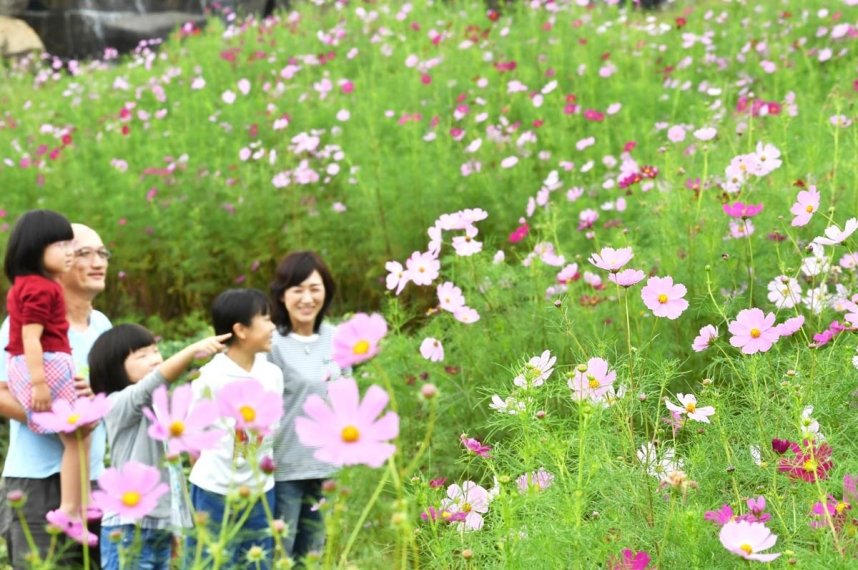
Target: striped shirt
point(307, 367)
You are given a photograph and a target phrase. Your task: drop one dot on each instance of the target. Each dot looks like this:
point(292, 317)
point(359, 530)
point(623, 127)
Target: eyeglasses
point(87, 253)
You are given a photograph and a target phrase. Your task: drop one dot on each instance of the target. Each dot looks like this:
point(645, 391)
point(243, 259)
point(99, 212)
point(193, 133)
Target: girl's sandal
point(73, 529)
point(93, 514)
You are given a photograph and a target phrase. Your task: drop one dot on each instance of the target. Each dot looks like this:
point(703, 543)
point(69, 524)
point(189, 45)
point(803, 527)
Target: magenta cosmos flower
point(808, 464)
point(131, 491)
point(475, 446)
point(611, 259)
point(66, 417)
point(630, 560)
point(250, 405)
point(748, 540)
point(753, 331)
point(664, 298)
point(592, 380)
point(356, 340)
point(182, 428)
point(742, 210)
point(806, 204)
point(348, 432)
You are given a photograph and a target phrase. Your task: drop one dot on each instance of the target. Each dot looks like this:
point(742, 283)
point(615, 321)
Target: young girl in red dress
point(41, 370)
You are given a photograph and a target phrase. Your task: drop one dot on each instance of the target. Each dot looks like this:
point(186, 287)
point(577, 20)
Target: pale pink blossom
point(705, 338)
point(432, 349)
point(422, 268)
point(450, 297)
point(753, 331)
point(664, 298)
point(611, 259)
point(748, 540)
point(806, 204)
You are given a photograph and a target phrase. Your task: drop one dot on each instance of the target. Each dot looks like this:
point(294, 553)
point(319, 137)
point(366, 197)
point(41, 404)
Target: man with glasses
point(33, 461)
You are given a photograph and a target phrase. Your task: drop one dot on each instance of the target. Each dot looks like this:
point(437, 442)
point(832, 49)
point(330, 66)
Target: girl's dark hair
point(32, 234)
point(107, 356)
point(291, 271)
point(235, 306)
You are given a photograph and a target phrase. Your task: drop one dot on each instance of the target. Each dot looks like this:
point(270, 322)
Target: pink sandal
point(73, 529)
point(93, 514)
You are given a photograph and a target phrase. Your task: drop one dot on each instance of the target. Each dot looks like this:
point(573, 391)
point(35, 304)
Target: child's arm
point(173, 367)
point(31, 335)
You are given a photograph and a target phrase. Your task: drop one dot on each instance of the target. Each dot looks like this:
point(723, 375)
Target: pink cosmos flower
point(838, 511)
point(630, 560)
point(432, 349)
point(741, 210)
point(348, 432)
point(539, 480)
point(753, 331)
point(790, 326)
point(720, 517)
point(664, 298)
point(422, 268)
point(806, 204)
point(475, 446)
point(568, 274)
point(450, 297)
point(466, 315)
point(611, 259)
point(705, 338)
point(627, 277)
point(470, 499)
point(182, 428)
point(688, 407)
point(252, 407)
point(66, 417)
point(132, 491)
point(357, 339)
point(748, 540)
point(592, 380)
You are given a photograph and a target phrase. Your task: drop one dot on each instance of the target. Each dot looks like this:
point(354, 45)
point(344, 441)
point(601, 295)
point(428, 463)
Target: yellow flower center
point(810, 465)
point(690, 408)
point(755, 333)
point(593, 381)
point(841, 506)
point(177, 428)
point(446, 515)
point(361, 347)
point(73, 419)
point(248, 414)
point(746, 548)
point(662, 298)
point(466, 508)
point(350, 434)
point(809, 209)
point(130, 498)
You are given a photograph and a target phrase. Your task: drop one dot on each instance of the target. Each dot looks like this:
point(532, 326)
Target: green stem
point(365, 513)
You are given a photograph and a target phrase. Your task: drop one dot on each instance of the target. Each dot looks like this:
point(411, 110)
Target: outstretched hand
point(209, 346)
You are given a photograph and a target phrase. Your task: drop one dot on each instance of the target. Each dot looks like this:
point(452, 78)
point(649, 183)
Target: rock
point(17, 38)
point(12, 7)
